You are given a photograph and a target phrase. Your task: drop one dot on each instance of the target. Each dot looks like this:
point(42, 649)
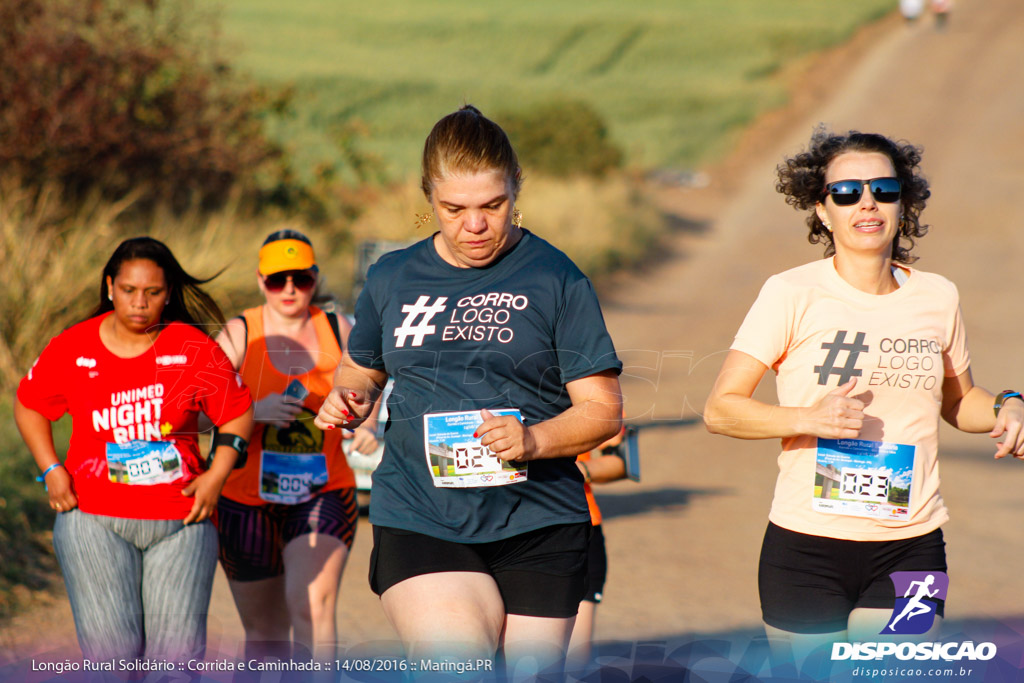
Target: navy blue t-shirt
point(509, 335)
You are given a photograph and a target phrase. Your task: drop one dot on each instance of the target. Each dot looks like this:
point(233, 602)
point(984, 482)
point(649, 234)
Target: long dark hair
point(802, 181)
point(186, 301)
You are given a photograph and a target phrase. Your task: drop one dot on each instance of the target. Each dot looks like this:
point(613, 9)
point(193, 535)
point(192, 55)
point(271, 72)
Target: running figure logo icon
point(853, 349)
point(412, 311)
point(914, 613)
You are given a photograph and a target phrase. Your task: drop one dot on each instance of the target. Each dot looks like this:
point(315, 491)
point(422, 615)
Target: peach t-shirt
point(817, 331)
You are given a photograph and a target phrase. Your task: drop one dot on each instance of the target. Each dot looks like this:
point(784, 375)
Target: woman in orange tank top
point(288, 517)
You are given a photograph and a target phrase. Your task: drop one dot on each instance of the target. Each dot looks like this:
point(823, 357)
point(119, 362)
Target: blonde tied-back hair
point(466, 141)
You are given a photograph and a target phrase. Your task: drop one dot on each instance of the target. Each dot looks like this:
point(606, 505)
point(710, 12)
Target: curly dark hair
point(802, 181)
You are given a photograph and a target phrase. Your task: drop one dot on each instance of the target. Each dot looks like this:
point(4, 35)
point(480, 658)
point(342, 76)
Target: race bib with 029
point(455, 459)
point(143, 462)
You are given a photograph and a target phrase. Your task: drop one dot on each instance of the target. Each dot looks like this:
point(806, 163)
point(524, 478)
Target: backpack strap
point(332, 318)
point(245, 328)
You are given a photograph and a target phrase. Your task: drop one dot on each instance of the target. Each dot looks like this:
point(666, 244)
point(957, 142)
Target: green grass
point(833, 494)
point(673, 79)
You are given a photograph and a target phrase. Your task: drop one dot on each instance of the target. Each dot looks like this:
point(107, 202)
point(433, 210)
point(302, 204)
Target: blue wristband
point(1001, 399)
point(42, 477)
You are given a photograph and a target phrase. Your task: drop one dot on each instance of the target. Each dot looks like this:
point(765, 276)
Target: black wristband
point(233, 441)
point(612, 450)
point(1001, 399)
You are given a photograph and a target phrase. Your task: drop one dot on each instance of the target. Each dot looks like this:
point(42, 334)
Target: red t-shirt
point(115, 403)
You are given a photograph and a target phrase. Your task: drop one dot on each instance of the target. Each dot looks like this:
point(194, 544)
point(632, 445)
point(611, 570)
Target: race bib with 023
point(455, 459)
point(143, 462)
point(861, 478)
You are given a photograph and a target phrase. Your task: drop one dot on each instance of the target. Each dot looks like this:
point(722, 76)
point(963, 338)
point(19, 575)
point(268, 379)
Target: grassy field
point(674, 80)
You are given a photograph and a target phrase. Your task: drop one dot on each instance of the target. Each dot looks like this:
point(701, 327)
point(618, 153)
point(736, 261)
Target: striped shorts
point(253, 537)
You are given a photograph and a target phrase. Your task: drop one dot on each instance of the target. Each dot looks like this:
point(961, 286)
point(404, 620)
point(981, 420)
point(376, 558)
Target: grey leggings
point(138, 587)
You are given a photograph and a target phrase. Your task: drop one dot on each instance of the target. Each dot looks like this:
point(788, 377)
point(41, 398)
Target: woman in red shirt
point(133, 496)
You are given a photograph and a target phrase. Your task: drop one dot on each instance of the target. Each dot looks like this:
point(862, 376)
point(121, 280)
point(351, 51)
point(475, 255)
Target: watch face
point(1001, 399)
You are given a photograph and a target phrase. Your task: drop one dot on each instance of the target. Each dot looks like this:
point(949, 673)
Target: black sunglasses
point(848, 192)
point(302, 279)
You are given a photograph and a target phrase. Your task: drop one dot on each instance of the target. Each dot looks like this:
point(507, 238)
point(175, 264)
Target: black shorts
point(253, 537)
point(597, 566)
point(810, 584)
point(541, 573)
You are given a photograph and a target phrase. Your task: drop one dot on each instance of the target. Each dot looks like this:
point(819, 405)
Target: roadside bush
point(27, 565)
point(603, 224)
point(122, 95)
point(562, 139)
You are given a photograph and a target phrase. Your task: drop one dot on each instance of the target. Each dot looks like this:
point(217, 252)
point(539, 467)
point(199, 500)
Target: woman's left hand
point(364, 438)
point(205, 489)
point(1010, 426)
point(506, 437)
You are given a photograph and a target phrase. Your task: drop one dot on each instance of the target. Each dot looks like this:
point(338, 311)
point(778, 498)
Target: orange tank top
point(289, 464)
point(595, 512)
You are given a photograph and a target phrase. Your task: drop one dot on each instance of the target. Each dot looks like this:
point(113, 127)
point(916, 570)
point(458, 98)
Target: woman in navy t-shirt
point(503, 373)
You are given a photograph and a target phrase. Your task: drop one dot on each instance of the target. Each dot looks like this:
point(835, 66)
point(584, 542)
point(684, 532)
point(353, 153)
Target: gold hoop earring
point(422, 219)
point(517, 217)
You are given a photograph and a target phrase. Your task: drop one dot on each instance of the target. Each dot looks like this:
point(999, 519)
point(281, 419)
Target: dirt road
point(683, 544)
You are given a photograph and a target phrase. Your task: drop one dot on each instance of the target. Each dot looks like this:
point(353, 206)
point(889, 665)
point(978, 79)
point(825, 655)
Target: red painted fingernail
point(330, 426)
point(351, 394)
point(475, 435)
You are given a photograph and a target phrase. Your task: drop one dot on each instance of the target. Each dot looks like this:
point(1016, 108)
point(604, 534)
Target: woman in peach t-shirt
point(869, 354)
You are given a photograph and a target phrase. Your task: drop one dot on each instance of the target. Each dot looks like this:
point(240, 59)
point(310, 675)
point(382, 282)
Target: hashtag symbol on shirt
point(838, 344)
point(418, 331)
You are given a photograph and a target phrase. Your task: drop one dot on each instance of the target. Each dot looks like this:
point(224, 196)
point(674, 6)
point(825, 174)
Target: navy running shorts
point(541, 573)
point(597, 566)
point(810, 584)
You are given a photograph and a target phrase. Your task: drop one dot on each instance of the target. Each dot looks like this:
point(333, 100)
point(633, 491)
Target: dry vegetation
point(601, 223)
point(51, 258)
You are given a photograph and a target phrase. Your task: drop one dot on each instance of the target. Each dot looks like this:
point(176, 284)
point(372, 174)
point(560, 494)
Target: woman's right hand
point(59, 488)
point(343, 407)
point(836, 416)
point(277, 409)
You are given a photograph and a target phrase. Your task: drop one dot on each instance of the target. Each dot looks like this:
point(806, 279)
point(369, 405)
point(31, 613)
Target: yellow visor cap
point(282, 255)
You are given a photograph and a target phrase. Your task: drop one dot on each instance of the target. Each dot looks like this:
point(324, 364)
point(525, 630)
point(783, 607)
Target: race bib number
point(143, 462)
point(291, 478)
point(862, 478)
point(457, 460)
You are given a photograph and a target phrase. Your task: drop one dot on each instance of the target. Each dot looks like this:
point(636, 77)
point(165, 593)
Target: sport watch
point(1001, 399)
